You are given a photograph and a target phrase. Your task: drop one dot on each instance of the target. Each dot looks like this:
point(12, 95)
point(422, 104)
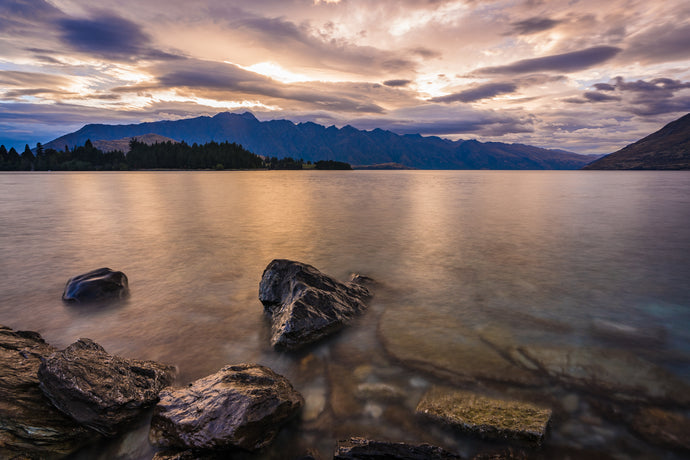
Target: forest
point(165, 155)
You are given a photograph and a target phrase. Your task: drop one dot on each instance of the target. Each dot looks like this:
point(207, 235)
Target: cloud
point(532, 25)
point(477, 93)
point(28, 79)
point(108, 36)
point(566, 62)
point(591, 96)
point(663, 43)
point(397, 83)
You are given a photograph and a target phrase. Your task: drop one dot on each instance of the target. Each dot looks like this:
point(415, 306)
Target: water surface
point(548, 258)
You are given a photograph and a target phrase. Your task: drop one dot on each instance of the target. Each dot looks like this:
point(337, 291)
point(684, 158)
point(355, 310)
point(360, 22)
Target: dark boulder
point(30, 427)
point(365, 449)
point(100, 284)
point(306, 305)
point(99, 390)
point(241, 406)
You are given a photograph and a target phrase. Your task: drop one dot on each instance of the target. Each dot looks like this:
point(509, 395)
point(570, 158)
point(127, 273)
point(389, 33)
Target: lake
point(471, 267)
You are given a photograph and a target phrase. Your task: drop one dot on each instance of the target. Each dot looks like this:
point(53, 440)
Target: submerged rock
point(365, 449)
point(306, 305)
point(614, 374)
point(99, 284)
point(99, 390)
point(29, 424)
point(484, 416)
point(241, 406)
point(666, 428)
point(442, 345)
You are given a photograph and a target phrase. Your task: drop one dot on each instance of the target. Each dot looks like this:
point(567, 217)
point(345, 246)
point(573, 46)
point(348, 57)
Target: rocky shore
point(53, 402)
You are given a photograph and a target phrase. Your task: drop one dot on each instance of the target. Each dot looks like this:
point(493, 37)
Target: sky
point(582, 75)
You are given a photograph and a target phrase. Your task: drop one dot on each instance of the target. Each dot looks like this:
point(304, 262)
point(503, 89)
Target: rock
point(379, 392)
point(99, 390)
point(486, 417)
point(100, 284)
point(663, 427)
point(29, 424)
point(421, 339)
point(304, 304)
point(365, 449)
point(239, 406)
point(614, 374)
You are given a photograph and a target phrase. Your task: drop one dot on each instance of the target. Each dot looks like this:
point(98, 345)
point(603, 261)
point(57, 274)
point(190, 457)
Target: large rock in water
point(241, 406)
point(99, 284)
point(365, 449)
point(304, 304)
point(29, 424)
point(99, 390)
point(486, 417)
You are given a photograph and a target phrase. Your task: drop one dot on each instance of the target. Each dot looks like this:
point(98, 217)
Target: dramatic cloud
point(580, 75)
point(566, 62)
point(533, 25)
point(485, 91)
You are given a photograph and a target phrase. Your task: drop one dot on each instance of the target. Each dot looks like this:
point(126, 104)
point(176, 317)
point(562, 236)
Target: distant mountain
point(312, 142)
point(123, 144)
point(668, 148)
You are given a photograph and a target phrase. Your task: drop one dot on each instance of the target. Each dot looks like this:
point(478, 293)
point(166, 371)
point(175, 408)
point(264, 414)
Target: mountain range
point(312, 142)
point(668, 148)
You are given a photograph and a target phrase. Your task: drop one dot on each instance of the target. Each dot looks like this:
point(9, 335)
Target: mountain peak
point(229, 115)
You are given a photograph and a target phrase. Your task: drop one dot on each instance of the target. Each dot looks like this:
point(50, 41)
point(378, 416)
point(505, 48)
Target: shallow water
point(552, 259)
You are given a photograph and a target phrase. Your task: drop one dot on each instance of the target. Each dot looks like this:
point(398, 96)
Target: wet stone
point(99, 284)
point(484, 416)
point(99, 390)
point(366, 449)
point(241, 406)
point(30, 426)
point(305, 305)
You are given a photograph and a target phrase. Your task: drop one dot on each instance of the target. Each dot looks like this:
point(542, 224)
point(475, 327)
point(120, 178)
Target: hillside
point(123, 144)
point(313, 142)
point(668, 148)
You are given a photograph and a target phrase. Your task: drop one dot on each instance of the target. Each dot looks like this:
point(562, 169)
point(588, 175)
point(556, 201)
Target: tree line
point(164, 155)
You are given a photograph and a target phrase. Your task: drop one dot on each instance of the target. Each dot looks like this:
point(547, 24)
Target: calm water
point(555, 258)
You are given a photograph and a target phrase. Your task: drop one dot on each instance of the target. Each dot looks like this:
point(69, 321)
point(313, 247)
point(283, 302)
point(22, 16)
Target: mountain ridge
point(312, 142)
point(667, 148)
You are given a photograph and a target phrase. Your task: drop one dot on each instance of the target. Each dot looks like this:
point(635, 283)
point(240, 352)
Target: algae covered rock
point(305, 305)
point(100, 390)
point(241, 406)
point(484, 416)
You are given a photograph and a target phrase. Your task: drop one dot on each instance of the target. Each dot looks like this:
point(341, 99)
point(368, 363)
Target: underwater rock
point(484, 416)
point(99, 284)
point(422, 340)
point(306, 305)
point(662, 427)
point(365, 449)
point(30, 427)
point(613, 374)
point(99, 390)
point(241, 406)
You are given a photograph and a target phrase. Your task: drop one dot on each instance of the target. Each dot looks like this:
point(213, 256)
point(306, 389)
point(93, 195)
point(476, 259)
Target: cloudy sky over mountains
point(586, 76)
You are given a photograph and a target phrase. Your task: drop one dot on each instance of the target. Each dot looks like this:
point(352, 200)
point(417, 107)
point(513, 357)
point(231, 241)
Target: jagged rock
point(239, 406)
point(99, 390)
point(365, 449)
point(29, 424)
point(459, 356)
point(304, 304)
point(486, 417)
point(659, 426)
point(99, 284)
point(614, 374)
